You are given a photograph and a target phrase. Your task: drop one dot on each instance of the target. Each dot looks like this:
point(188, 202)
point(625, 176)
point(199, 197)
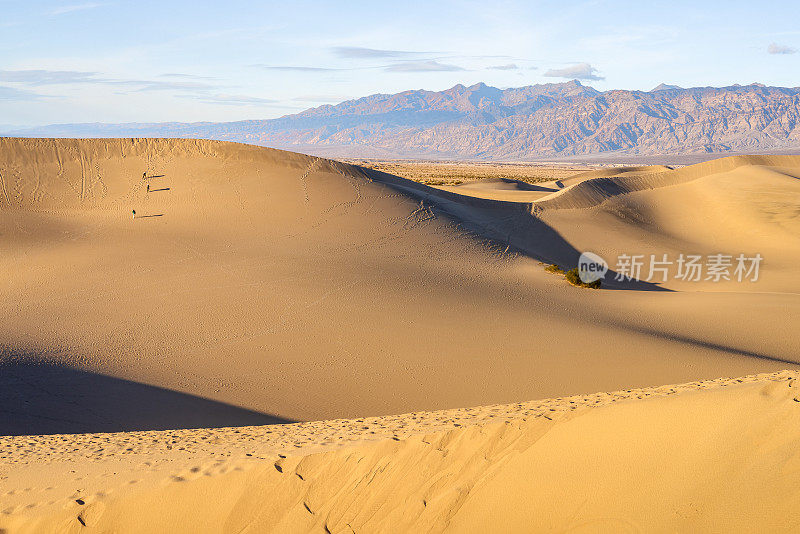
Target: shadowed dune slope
point(47, 398)
point(302, 288)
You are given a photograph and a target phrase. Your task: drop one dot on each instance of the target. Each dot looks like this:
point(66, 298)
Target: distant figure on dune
point(134, 214)
point(144, 175)
point(148, 188)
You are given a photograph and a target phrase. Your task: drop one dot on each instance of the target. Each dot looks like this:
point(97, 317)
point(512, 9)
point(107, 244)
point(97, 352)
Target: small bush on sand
point(574, 278)
point(442, 182)
point(555, 269)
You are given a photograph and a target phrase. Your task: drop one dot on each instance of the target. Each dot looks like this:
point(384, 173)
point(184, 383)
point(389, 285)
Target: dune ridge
point(595, 190)
point(65, 173)
point(605, 461)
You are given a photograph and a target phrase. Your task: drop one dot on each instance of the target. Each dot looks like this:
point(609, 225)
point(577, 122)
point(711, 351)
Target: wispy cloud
point(12, 94)
point(776, 48)
point(48, 77)
point(321, 98)
point(510, 66)
point(296, 68)
point(580, 71)
point(158, 85)
point(184, 76)
point(65, 77)
point(232, 100)
point(71, 8)
point(427, 65)
point(357, 52)
point(183, 85)
point(422, 66)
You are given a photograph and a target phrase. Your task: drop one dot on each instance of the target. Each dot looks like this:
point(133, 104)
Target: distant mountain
point(476, 122)
point(665, 87)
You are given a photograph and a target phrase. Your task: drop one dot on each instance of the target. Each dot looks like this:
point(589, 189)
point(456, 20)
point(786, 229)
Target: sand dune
point(594, 187)
point(272, 285)
point(614, 171)
point(255, 287)
point(706, 456)
point(732, 206)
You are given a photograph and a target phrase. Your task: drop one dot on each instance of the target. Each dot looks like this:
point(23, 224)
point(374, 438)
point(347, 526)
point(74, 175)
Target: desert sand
point(255, 286)
point(708, 456)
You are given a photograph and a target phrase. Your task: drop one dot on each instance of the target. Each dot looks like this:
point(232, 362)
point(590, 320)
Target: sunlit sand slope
point(717, 456)
point(259, 286)
point(739, 205)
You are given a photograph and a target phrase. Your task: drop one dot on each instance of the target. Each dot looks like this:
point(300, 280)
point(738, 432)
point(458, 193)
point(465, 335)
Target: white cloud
point(64, 77)
point(296, 68)
point(357, 52)
point(184, 76)
point(776, 48)
point(151, 85)
point(580, 71)
point(11, 94)
point(75, 7)
point(422, 66)
point(510, 66)
point(321, 98)
point(47, 77)
point(233, 100)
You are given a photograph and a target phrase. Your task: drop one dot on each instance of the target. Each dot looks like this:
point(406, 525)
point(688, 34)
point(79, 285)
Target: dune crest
point(589, 189)
point(607, 461)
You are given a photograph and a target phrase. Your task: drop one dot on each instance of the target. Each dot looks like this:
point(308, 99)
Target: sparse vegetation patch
point(574, 278)
point(553, 268)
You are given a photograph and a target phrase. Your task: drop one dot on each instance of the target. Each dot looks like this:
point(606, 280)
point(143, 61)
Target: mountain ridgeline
point(483, 122)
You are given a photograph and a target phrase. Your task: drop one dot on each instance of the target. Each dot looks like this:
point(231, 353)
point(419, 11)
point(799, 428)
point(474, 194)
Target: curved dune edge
point(595, 190)
point(588, 189)
point(59, 174)
point(717, 454)
point(584, 190)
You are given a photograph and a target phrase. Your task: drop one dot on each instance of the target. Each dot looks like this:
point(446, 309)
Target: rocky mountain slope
point(476, 122)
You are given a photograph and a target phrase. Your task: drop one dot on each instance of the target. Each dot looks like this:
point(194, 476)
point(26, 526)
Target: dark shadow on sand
point(51, 398)
point(507, 224)
point(699, 343)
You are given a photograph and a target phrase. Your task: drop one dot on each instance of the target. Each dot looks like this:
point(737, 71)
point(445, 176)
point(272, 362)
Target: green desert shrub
point(555, 269)
point(574, 278)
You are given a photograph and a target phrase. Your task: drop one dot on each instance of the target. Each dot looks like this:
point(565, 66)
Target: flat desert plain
point(211, 337)
point(457, 173)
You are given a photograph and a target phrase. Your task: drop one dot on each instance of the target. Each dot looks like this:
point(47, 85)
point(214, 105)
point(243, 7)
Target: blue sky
point(153, 61)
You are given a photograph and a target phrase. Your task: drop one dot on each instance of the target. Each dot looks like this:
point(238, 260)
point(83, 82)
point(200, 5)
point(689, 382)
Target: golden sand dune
point(255, 286)
point(734, 205)
point(706, 456)
point(594, 187)
point(614, 171)
point(258, 286)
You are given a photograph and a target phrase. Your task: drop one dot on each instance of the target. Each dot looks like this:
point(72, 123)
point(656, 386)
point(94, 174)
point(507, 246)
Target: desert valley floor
point(255, 287)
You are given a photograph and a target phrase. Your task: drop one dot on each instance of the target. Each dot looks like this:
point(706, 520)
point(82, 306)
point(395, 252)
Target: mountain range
point(558, 120)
